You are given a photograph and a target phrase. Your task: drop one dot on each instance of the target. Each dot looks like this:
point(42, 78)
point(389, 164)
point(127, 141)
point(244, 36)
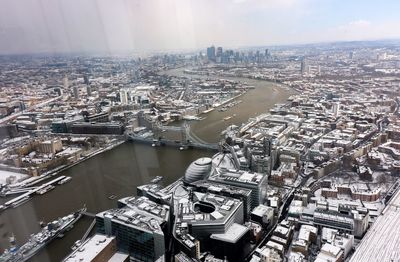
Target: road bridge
point(188, 138)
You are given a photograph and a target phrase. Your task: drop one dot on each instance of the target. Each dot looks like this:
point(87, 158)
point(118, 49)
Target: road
point(15, 115)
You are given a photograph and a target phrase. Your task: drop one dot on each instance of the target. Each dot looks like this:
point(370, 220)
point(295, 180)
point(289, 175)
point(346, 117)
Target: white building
point(123, 96)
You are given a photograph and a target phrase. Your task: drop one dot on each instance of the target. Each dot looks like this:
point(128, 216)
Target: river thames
point(256, 101)
point(120, 170)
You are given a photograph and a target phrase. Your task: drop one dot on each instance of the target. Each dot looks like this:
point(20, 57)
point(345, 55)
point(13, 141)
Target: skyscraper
point(65, 82)
point(219, 51)
point(75, 90)
point(218, 55)
point(88, 90)
point(303, 66)
point(211, 53)
point(335, 108)
point(86, 80)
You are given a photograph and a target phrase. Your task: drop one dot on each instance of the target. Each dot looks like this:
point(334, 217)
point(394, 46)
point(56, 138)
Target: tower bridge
point(186, 137)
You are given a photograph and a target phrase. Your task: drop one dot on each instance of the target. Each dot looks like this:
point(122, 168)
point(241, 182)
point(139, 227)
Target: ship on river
point(39, 240)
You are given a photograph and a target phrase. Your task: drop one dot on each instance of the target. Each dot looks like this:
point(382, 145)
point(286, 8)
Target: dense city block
point(312, 178)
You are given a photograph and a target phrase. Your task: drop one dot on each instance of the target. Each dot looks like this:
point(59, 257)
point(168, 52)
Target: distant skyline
point(54, 26)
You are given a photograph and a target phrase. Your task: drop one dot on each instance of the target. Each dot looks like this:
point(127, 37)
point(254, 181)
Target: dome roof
point(198, 170)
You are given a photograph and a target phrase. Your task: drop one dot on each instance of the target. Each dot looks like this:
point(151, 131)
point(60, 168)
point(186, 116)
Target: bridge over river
point(187, 137)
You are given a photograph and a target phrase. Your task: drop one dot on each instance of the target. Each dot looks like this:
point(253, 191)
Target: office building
point(303, 67)
point(65, 82)
point(138, 228)
point(75, 90)
point(61, 126)
point(154, 192)
point(346, 220)
point(231, 243)
point(88, 90)
point(219, 55)
point(335, 108)
point(211, 53)
point(97, 128)
point(86, 80)
point(209, 214)
point(8, 131)
point(98, 248)
point(201, 217)
point(263, 215)
point(256, 182)
point(219, 52)
point(261, 164)
point(102, 117)
point(241, 194)
point(205, 221)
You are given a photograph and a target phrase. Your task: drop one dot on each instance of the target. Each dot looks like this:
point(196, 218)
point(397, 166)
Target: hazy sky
point(141, 25)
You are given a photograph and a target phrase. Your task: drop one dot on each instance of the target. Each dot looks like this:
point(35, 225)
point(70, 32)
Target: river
point(120, 170)
point(256, 101)
point(115, 172)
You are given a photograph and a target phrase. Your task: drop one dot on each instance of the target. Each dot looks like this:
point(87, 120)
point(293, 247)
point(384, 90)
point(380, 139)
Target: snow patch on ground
point(5, 174)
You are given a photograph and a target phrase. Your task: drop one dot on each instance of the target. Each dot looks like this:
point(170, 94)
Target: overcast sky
point(111, 26)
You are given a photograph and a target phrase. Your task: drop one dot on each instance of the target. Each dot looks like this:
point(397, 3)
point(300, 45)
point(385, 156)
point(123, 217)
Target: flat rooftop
point(224, 207)
point(238, 176)
point(90, 248)
point(140, 212)
point(145, 206)
point(216, 187)
point(232, 235)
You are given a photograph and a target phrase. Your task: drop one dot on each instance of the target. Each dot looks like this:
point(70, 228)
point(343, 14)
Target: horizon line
point(191, 50)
